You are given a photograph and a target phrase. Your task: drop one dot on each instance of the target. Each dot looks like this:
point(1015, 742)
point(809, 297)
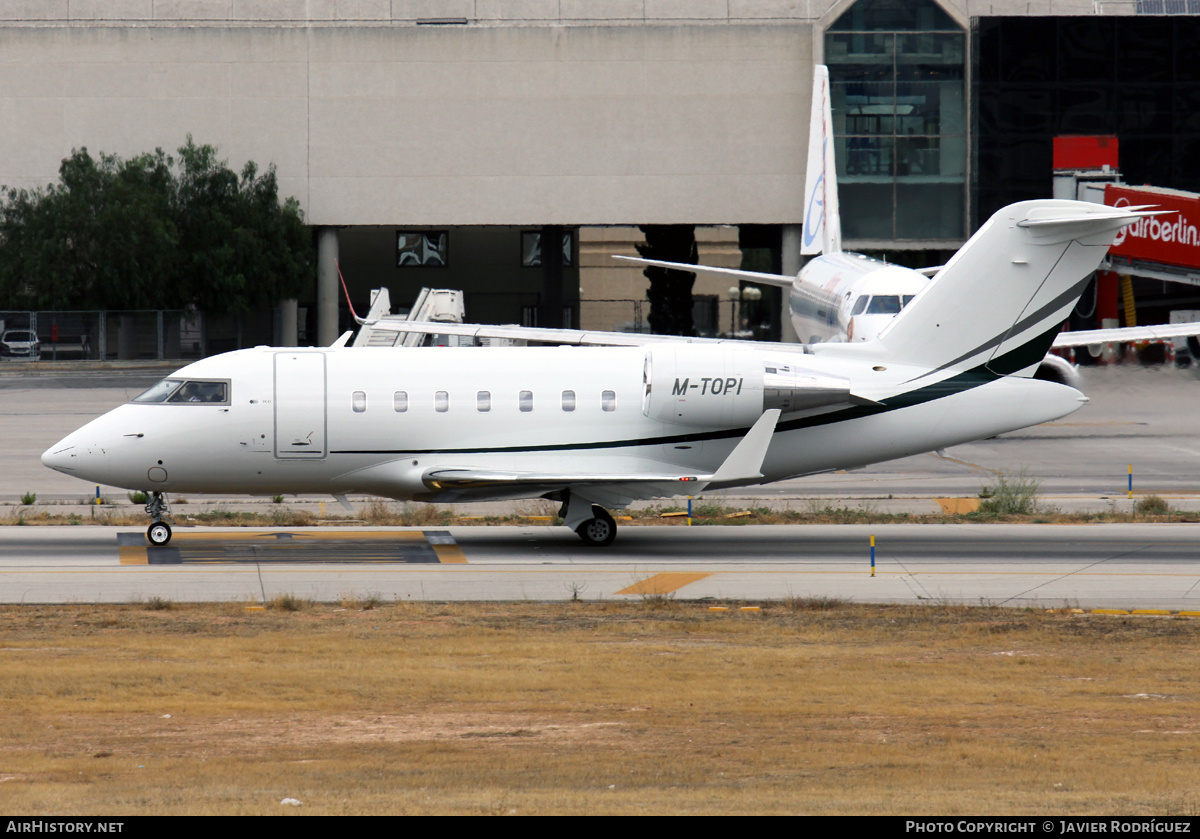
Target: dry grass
point(806, 707)
point(397, 514)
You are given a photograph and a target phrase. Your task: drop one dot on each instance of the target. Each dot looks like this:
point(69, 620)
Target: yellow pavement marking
point(237, 536)
point(133, 556)
point(957, 506)
point(664, 583)
point(449, 554)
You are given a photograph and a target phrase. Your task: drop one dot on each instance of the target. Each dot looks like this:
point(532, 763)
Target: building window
point(568, 400)
point(526, 401)
point(441, 401)
point(531, 249)
point(359, 401)
point(897, 75)
point(608, 400)
point(428, 248)
point(483, 401)
point(400, 401)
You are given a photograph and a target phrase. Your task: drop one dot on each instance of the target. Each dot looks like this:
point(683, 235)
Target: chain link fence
point(130, 335)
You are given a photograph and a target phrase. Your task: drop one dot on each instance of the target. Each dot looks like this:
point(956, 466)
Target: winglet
point(342, 340)
point(745, 461)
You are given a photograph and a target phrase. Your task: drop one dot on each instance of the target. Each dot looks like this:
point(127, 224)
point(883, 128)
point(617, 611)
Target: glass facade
point(897, 73)
point(1036, 78)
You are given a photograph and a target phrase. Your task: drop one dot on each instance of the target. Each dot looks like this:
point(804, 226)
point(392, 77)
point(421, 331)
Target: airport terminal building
point(440, 142)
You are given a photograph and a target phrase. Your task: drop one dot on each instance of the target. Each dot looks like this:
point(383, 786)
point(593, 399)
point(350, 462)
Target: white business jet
point(599, 427)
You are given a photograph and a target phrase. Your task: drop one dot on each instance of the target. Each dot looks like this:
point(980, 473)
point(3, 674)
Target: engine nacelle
point(716, 386)
point(1055, 368)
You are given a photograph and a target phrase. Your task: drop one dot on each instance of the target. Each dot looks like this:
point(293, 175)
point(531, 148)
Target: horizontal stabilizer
point(781, 280)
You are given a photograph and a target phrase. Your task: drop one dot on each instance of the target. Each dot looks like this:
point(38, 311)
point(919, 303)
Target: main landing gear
point(159, 532)
point(591, 522)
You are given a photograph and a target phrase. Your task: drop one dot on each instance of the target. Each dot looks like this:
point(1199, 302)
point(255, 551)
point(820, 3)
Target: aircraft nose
point(60, 457)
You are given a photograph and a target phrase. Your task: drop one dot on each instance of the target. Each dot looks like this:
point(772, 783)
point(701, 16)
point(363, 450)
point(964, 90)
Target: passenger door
point(300, 405)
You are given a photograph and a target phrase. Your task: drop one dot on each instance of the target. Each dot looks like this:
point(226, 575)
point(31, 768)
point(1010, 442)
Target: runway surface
point(1044, 566)
point(1143, 417)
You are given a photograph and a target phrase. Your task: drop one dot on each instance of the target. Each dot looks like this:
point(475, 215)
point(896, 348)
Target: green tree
point(153, 233)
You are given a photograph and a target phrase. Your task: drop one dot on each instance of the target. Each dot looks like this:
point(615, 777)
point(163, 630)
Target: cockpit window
point(160, 392)
point(884, 304)
point(906, 299)
point(860, 305)
point(179, 391)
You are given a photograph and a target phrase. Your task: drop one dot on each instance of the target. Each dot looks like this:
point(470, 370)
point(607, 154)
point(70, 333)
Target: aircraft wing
point(743, 464)
point(1125, 334)
point(571, 337)
point(781, 280)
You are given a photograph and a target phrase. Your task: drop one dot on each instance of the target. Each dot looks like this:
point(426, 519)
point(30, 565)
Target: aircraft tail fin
point(822, 219)
point(999, 302)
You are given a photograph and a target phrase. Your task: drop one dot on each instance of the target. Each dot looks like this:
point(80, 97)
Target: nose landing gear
point(159, 532)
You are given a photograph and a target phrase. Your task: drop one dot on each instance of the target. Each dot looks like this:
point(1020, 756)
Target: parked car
point(20, 343)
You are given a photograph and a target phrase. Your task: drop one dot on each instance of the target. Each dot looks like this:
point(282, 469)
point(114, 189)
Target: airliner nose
point(60, 457)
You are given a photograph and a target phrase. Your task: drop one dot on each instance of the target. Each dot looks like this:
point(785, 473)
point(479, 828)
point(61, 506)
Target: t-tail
point(822, 221)
point(995, 307)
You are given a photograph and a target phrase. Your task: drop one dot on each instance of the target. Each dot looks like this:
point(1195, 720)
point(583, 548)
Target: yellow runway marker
point(663, 583)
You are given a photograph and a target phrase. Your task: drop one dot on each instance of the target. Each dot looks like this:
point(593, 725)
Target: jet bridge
point(1164, 248)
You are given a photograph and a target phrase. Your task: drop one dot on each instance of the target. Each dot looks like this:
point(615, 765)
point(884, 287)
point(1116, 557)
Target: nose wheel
point(159, 532)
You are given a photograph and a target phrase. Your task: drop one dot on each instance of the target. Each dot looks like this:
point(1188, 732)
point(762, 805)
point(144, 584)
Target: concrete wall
point(433, 125)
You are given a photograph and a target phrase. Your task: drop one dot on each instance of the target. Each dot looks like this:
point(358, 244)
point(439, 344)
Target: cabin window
point(359, 401)
point(568, 400)
point(483, 401)
point(526, 401)
point(608, 400)
point(860, 305)
point(400, 401)
point(441, 401)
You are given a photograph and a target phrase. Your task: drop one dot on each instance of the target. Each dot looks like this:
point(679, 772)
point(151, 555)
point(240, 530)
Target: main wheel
point(159, 533)
point(600, 531)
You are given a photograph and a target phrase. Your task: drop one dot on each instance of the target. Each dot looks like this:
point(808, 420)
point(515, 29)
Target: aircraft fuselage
point(385, 421)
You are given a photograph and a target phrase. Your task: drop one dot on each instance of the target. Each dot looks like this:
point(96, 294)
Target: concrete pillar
point(289, 330)
point(791, 262)
point(328, 286)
